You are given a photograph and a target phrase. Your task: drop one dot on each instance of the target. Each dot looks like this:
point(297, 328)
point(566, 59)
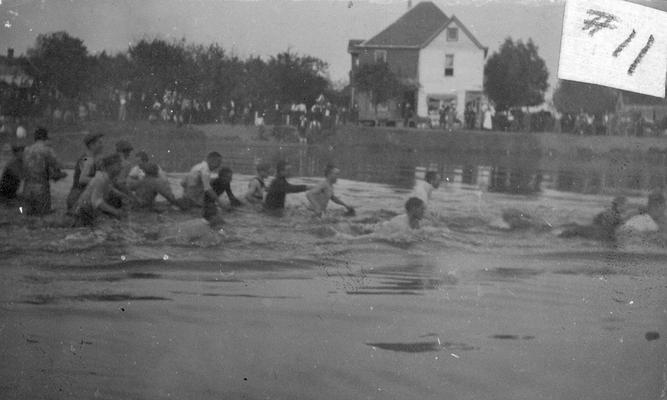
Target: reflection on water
point(515, 165)
point(513, 171)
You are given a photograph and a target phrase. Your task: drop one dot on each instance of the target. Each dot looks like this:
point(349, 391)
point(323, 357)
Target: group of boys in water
point(106, 185)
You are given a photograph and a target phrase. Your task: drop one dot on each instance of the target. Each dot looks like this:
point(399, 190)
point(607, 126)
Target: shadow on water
point(422, 347)
point(242, 265)
point(105, 297)
point(402, 280)
point(620, 257)
point(512, 337)
point(240, 295)
point(504, 274)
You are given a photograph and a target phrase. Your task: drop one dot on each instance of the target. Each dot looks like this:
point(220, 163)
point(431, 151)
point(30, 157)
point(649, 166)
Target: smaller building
point(652, 109)
point(16, 86)
point(428, 50)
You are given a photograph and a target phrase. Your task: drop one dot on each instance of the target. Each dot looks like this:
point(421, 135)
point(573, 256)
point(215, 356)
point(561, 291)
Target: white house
point(426, 47)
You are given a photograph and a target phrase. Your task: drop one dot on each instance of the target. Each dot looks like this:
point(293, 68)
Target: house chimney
point(409, 4)
point(10, 53)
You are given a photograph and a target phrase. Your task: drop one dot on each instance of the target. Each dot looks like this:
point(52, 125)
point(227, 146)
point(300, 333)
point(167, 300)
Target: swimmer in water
point(411, 220)
point(92, 201)
point(279, 188)
point(651, 218)
point(400, 224)
point(198, 181)
point(257, 185)
point(320, 195)
point(423, 190)
point(219, 185)
point(604, 224)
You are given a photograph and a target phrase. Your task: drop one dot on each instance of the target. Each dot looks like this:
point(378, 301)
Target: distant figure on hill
point(40, 166)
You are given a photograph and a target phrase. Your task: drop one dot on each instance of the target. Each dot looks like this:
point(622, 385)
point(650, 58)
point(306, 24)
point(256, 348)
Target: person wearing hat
point(39, 165)
point(84, 170)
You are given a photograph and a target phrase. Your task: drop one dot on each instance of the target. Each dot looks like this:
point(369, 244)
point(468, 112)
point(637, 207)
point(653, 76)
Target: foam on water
point(460, 218)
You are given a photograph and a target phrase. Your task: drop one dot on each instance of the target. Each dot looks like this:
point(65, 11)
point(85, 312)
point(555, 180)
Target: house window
point(452, 34)
point(380, 56)
point(449, 64)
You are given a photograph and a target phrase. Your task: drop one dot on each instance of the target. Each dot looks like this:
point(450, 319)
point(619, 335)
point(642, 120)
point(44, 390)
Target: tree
point(571, 97)
point(60, 63)
point(380, 82)
point(158, 64)
point(296, 78)
point(516, 76)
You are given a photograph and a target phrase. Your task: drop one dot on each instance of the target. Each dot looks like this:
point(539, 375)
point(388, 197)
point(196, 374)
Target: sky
point(319, 28)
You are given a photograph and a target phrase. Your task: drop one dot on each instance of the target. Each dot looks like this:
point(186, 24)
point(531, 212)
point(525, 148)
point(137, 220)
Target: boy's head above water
point(656, 205)
point(214, 160)
point(331, 173)
point(142, 158)
point(283, 168)
point(433, 178)
point(263, 169)
point(415, 208)
point(225, 174)
point(112, 164)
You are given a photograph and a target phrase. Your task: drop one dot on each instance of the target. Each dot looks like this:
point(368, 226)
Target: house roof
point(412, 29)
point(463, 27)
point(352, 43)
point(415, 29)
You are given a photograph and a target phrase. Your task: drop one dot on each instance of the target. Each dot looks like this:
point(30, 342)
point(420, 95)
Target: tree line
point(64, 70)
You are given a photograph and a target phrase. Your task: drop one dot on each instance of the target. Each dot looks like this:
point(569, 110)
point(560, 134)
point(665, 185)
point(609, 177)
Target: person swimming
point(651, 218)
point(604, 224)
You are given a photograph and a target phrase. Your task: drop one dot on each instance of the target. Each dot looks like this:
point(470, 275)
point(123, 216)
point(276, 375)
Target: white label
point(614, 43)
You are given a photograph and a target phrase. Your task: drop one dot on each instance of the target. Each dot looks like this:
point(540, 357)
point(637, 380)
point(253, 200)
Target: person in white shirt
point(423, 190)
point(198, 181)
point(652, 219)
point(414, 213)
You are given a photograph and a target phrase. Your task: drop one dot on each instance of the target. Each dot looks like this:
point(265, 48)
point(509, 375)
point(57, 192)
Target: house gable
point(466, 37)
point(412, 29)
